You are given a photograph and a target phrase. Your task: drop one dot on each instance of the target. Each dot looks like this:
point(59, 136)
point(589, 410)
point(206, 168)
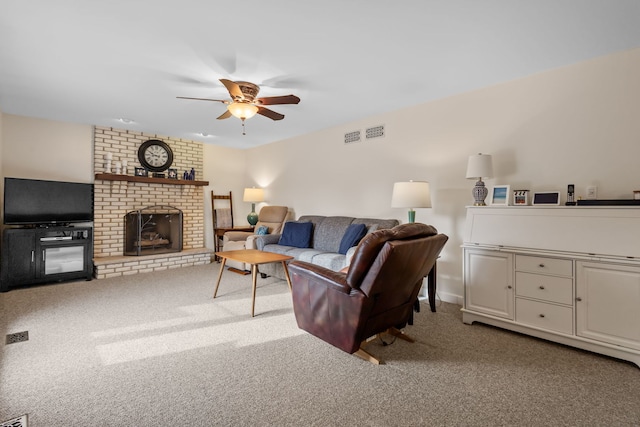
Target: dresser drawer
point(536, 264)
point(545, 316)
point(547, 288)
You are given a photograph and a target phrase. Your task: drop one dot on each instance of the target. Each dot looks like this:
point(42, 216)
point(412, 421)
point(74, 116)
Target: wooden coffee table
point(255, 258)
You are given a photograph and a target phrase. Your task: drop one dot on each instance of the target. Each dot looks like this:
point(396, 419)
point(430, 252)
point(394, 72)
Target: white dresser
point(565, 274)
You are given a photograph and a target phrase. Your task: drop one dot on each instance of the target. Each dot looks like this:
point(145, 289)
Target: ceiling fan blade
point(269, 113)
point(204, 99)
point(273, 100)
point(224, 115)
point(233, 88)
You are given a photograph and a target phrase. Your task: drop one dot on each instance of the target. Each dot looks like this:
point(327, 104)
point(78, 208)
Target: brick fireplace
point(115, 196)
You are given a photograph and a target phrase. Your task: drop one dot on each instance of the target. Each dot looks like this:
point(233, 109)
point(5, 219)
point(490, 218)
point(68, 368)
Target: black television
point(40, 202)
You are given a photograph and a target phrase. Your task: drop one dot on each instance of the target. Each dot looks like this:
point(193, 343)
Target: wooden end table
point(255, 258)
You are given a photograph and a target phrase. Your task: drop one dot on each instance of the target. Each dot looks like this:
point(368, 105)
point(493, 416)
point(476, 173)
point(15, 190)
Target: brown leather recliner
point(377, 293)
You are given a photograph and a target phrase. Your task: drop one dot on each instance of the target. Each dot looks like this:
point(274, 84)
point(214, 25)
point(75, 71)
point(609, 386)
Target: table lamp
point(412, 194)
point(479, 166)
point(253, 195)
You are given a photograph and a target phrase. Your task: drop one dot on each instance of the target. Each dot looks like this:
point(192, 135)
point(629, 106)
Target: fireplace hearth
point(153, 230)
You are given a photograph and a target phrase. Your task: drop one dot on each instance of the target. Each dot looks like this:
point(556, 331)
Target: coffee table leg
point(224, 261)
point(254, 276)
point(286, 274)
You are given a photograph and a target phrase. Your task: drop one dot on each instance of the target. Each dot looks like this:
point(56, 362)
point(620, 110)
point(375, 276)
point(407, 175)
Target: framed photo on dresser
point(500, 195)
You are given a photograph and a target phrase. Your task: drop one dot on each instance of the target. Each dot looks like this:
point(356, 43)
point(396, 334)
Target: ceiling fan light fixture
point(242, 110)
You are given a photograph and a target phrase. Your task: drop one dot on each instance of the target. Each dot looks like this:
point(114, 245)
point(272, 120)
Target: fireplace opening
point(153, 230)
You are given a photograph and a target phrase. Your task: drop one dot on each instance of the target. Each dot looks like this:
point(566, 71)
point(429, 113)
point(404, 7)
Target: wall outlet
point(592, 192)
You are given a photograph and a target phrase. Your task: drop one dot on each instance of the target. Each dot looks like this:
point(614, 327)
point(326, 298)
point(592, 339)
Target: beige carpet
point(156, 350)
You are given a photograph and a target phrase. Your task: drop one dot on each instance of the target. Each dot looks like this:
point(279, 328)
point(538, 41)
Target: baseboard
point(451, 298)
point(444, 297)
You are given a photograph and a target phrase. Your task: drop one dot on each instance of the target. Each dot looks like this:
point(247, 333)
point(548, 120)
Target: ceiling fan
point(244, 104)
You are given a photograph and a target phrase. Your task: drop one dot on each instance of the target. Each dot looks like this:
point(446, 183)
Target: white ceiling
point(92, 61)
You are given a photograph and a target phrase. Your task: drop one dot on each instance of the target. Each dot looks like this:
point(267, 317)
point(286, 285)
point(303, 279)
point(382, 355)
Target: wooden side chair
point(222, 215)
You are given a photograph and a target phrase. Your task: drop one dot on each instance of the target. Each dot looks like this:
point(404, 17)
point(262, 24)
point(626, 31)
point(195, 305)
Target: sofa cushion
point(297, 234)
point(276, 249)
point(353, 235)
point(306, 255)
point(331, 260)
point(328, 233)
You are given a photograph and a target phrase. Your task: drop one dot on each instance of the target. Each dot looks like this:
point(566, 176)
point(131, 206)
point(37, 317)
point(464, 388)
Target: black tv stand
point(45, 254)
point(53, 225)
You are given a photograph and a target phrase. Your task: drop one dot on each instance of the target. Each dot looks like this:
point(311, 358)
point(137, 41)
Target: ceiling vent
point(350, 137)
point(375, 132)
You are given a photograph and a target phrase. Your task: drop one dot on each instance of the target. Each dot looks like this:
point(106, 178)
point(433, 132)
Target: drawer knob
point(542, 315)
point(508, 286)
point(541, 287)
point(541, 265)
point(578, 299)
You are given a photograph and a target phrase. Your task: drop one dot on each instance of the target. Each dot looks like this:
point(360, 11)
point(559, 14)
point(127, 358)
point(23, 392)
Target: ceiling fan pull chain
point(243, 132)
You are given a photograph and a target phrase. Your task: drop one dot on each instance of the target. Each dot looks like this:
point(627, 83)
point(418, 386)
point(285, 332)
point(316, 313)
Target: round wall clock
point(155, 155)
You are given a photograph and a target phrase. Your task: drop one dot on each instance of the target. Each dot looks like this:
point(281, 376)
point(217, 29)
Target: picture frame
point(520, 197)
point(141, 172)
point(172, 173)
point(500, 195)
point(546, 198)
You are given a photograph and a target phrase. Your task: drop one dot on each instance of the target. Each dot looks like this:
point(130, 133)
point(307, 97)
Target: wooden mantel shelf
point(147, 179)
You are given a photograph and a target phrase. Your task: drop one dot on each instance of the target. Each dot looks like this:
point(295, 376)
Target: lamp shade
point(412, 194)
point(253, 195)
point(480, 166)
point(242, 110)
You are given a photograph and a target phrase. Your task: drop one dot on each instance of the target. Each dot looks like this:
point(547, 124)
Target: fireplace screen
point(153, 230)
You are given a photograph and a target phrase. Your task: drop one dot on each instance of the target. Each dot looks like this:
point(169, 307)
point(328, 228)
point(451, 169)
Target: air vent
point(21, 421)
point(350, 137)
point(17, 337)
point(375, 132)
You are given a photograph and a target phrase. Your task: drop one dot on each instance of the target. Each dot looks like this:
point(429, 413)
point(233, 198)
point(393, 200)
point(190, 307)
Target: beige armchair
point(272, 217)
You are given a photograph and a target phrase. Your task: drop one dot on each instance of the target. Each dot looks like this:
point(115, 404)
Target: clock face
point(155, 155)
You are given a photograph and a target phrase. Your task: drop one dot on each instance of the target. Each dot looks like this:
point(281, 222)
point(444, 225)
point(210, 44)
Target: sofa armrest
point(250, 243)
point(236, 236)
point(349, 255)
point(267, 239)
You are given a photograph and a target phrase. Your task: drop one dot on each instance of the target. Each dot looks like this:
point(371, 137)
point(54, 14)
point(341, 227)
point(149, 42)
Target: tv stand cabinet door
point(19, 258)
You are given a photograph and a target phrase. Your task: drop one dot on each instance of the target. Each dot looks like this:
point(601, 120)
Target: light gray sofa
point(325, 242)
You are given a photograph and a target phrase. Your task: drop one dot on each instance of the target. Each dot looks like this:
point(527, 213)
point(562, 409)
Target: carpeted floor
point(155, 350)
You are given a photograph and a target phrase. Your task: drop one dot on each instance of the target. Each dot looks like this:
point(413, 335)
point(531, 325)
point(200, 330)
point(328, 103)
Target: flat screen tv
point(38, 202)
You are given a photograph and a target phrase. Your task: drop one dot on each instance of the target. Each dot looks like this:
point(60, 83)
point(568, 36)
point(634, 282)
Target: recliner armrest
point(236, 236)
point(335, 280)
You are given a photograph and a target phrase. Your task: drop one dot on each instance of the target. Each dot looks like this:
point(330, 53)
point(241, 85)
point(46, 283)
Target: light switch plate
point(592, 192)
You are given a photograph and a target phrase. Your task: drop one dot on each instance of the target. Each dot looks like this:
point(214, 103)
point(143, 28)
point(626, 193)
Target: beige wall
point(225, 169)
point(45, 149)
point(576, 125)
point(1, 170)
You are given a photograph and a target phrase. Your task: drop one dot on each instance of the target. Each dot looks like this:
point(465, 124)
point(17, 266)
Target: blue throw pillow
point(353, 235)
point(296, 234)
point(262, 230)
